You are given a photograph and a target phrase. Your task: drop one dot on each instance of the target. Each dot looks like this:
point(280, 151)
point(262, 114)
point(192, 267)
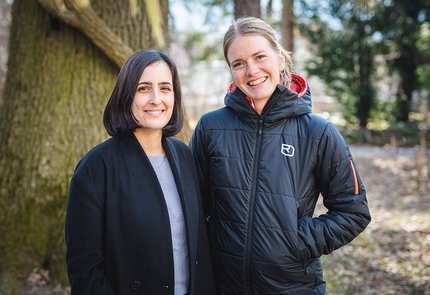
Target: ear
point(231, 87)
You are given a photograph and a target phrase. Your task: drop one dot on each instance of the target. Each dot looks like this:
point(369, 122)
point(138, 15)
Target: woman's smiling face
point(154, 97)
point(255, 67)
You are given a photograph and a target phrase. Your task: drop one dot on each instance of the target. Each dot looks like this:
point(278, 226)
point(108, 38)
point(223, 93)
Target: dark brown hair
point(118, 116)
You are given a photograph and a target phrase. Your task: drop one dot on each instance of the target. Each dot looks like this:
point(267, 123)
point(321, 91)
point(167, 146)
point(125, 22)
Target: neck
point(259, 105)
point(150, 141)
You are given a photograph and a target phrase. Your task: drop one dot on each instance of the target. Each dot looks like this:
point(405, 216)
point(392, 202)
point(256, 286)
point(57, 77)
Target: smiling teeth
point(154, 112)
point(255, 82)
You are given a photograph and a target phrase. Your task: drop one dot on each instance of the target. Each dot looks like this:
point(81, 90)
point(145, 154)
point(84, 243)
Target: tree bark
point(365, 91)
point(86, 20)
point(287, 25)
point(247, 8)
point(5, 18)
point(408, 84)
point(57, 85)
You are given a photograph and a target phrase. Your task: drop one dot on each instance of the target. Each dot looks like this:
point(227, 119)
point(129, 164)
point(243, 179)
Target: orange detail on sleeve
point(355, 178)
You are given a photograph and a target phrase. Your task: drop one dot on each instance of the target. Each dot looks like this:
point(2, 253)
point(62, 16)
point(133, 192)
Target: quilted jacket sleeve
point(197, 146)
point(344, 196)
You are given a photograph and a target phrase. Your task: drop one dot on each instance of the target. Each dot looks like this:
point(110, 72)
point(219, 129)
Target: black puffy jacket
point(261, 177)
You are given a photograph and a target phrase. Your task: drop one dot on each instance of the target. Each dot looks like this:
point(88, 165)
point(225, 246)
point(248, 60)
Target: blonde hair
point(255, 26)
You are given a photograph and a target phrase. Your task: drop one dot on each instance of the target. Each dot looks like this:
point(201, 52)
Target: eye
point(237, 65)
point(143, 88)
point(260, 57)
point(166, 88)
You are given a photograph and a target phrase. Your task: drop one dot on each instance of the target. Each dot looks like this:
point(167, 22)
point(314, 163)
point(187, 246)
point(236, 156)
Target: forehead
point(244, 46)
point(158, 70)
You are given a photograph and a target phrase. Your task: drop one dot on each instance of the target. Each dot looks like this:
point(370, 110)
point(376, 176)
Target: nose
point(251, 69)
point(155, 97)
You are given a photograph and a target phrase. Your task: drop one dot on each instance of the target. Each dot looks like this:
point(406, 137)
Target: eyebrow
point(149, 83)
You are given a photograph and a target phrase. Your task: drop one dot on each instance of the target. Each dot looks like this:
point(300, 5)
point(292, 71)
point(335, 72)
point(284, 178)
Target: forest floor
point(392, 256)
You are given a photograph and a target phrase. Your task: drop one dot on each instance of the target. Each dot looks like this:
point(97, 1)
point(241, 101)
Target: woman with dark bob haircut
point(118, 116)
point(134, 221)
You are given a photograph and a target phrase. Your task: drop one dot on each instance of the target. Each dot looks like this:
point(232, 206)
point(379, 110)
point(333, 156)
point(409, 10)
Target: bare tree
point(287, 24)
point(5, 18)
point(247, 8)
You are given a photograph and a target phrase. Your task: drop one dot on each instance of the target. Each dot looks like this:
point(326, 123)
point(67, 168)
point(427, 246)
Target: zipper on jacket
point(252, 204)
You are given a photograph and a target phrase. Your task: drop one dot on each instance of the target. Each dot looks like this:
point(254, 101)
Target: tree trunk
point(5, 17)
point(407, 86)
point(423, 141)
point(247, 8)
point(287, 25)
point(57, 85)
point(269, 11)
point(365, 91)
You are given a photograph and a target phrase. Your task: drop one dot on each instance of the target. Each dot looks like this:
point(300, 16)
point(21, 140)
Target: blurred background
point(367, 63)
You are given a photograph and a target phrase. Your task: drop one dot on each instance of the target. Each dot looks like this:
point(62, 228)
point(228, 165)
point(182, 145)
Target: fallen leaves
point(392, 256)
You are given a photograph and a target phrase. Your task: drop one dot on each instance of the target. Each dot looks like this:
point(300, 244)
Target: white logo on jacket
point(287, 150)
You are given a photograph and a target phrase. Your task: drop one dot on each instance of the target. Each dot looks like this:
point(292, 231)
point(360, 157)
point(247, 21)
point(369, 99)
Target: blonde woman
point(263, 161)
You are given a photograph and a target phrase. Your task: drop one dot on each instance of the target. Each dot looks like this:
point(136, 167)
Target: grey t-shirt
point(179, 236)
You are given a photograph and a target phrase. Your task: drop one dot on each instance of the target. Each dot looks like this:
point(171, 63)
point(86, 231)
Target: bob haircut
point(118, 117)
point(249, 25)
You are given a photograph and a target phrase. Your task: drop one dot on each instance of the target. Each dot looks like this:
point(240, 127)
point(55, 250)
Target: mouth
point(257, 81)
point(154, 112)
